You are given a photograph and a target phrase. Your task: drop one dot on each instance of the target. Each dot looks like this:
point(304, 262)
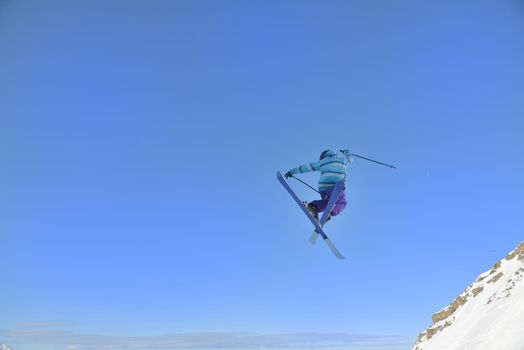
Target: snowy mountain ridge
point(4, 347)
point(488, 315)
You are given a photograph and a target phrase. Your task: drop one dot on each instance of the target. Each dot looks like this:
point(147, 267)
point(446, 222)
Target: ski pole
point(374, 161)
point(296, 178)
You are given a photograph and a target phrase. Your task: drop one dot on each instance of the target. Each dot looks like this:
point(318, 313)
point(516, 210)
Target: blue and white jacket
point(332, 169)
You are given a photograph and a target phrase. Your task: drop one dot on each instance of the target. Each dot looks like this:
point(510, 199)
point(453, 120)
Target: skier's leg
point(318, 206)
point(340, 204)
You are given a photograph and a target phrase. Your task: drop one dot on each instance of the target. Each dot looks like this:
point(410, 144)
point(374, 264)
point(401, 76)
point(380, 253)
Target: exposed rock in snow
point(488, 315)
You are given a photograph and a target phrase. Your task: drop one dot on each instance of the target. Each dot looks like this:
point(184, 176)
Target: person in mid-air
point(332, 167)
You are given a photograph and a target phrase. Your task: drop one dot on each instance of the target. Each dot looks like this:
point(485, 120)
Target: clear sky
point(139, 142)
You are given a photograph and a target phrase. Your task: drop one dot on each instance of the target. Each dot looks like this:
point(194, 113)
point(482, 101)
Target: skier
point(332, 168)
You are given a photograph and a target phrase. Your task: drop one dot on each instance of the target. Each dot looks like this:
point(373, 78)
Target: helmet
point(326, 153)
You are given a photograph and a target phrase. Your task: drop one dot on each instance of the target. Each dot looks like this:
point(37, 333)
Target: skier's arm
point(305, 168)
point(348, 155)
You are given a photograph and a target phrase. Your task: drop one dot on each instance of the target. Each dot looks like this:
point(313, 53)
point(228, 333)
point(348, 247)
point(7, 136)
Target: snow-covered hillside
point(488, 315)
point(4, 347)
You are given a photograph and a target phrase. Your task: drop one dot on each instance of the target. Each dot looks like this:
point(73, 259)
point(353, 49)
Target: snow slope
point(488, 315)
point(4, 347)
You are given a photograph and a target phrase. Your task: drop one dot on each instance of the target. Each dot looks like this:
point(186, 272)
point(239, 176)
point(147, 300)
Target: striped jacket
point(332, 169)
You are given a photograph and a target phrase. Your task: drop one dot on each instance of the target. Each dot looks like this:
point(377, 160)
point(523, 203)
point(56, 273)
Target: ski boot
point(313, 210)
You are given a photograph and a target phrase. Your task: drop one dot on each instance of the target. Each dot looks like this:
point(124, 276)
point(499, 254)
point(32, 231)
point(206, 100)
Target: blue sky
point(139, 143)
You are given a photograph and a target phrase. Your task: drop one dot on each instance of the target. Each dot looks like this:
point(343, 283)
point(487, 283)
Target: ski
point(314, 236)
point(331, 204)
point(318, 228)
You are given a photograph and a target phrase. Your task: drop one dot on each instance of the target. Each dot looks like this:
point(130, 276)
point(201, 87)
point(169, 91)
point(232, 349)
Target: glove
point(348, 155)
point(288, 175)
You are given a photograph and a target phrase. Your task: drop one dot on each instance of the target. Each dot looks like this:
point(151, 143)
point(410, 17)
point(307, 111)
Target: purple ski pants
point(321, 204)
